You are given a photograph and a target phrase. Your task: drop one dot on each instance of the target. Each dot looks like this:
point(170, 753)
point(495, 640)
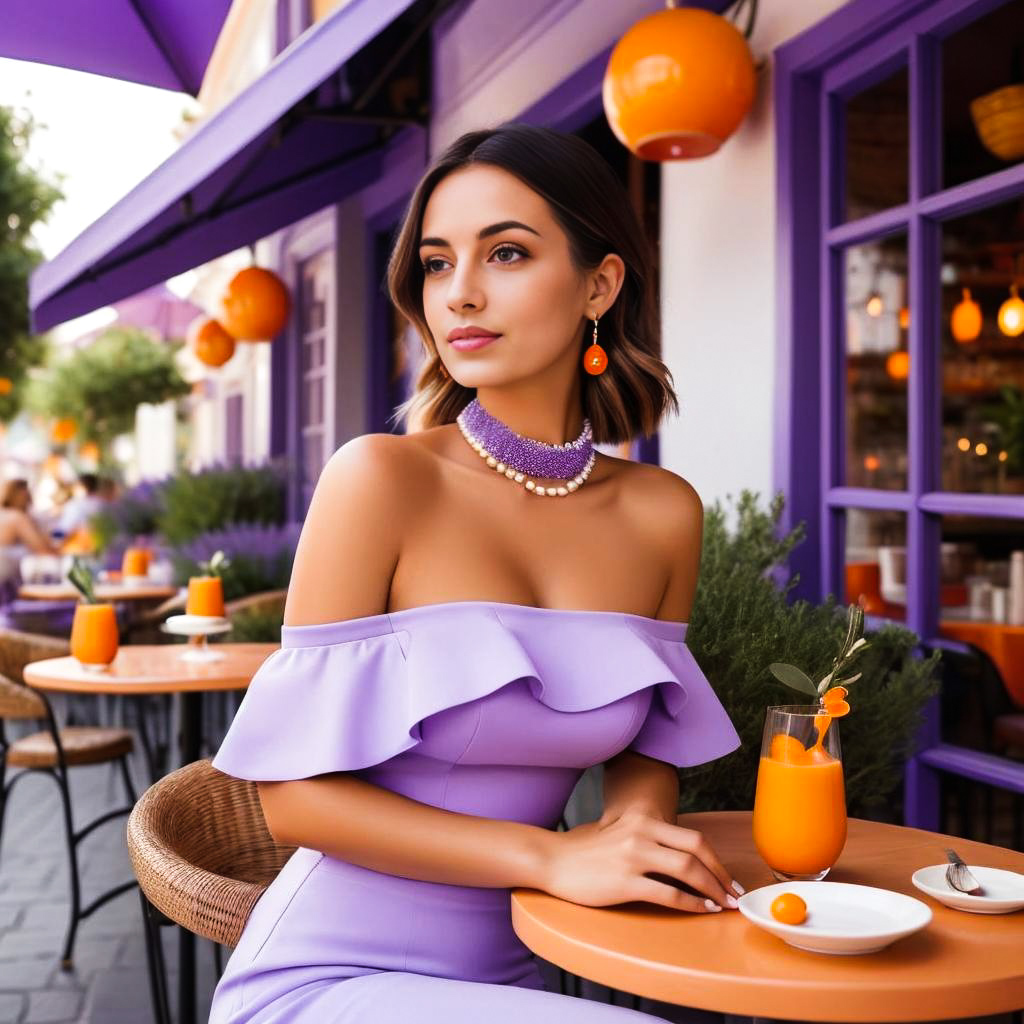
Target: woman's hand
point(606, 862)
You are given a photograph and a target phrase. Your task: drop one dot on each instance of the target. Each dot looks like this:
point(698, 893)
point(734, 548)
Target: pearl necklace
point(514, 474)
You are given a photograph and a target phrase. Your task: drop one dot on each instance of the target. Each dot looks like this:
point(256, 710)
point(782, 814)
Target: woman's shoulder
point(376, 459)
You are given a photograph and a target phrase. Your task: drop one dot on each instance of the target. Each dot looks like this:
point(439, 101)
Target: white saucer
point(1002, 892)
point(842, 918)
point(196, 625)
point(135, 581)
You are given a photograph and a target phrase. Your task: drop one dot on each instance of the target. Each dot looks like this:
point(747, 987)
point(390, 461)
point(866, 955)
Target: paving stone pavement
point(109, 983)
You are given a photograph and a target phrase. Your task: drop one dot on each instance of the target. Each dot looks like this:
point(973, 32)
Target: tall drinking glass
point(800, 802)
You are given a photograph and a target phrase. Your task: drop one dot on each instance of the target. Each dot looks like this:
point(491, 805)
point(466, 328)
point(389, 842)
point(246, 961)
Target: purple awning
point(165, 43)
point(270, 157)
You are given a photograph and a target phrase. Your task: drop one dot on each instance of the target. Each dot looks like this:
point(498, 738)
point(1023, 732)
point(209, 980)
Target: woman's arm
point(635, 782)
point(31, 536)
point(375, 828)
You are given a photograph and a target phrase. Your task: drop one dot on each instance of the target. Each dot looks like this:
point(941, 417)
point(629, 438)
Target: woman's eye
point(513, 250)
point(428, 264)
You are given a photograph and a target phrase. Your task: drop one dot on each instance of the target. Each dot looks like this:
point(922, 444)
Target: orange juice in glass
point(134, 564)
point(94, 635)
point(205, 596)
point(800, 802)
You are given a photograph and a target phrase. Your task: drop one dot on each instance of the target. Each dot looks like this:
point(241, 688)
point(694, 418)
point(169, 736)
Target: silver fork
point(959, 877)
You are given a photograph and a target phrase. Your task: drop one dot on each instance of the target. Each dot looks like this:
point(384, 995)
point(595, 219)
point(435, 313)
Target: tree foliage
point(26, 198)
point(101, 385)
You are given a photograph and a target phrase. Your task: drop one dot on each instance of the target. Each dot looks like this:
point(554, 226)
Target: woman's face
point(495, 258)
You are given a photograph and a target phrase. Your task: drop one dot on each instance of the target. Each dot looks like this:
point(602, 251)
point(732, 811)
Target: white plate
point(135, 581)
point(841, 917)
point(1002, 892)
point(196, 625)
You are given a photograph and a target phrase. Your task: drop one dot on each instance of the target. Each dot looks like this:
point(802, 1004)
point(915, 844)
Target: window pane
point(982, 360)
point(982, 597)
point(983, 96)
point(877, 149)
point(312, 455)
point(876, 324)
point(875, 561)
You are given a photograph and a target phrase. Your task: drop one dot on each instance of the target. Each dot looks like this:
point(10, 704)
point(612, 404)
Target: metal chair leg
point(155, 962)
point(218, 959)
point(76, 894)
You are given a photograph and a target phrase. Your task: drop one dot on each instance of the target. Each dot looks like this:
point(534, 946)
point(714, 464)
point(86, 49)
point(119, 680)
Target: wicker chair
point(52, 751)
point(203, 856)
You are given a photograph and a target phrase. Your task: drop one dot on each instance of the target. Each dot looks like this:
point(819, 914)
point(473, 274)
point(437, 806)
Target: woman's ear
point(605, 283)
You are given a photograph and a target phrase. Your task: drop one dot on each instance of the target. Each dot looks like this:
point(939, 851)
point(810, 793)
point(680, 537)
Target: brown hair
point(592, 207)
point(10, 491)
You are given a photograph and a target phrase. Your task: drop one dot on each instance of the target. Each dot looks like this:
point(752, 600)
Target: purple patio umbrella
point(165, 43)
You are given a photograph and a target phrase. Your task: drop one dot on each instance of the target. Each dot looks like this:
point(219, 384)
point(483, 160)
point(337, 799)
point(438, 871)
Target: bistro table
point(1003, 643)
point(148, 669)
point(960, 965)
point(104, 592)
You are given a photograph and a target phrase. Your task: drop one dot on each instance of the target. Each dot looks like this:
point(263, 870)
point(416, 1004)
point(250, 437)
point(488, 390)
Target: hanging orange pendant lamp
point(209, 341)
point(965, 322)
point(6, 385)
point(1011, 314)
point(63, 430)
point(678, 84)
point(898, 364)
point(255, 306)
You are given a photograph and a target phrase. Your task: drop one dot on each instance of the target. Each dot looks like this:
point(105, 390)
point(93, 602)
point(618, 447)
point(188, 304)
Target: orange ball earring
point(595, 359)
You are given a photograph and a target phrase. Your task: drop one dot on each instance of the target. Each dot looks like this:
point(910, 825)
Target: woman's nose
point(464, 290)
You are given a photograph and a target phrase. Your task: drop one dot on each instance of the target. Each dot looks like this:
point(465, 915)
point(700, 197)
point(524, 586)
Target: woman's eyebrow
point(493, 229)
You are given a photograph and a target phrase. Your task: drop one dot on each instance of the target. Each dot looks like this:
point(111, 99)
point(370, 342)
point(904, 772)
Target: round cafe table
point(159, 668)
point(960, 965)
point(104, 592)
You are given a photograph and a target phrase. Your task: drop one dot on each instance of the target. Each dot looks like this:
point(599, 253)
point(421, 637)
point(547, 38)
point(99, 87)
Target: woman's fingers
point(647, 890)
point(688, 868)
point(691, 841)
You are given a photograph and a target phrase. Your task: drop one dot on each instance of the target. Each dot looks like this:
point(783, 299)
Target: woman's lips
point(468, 344)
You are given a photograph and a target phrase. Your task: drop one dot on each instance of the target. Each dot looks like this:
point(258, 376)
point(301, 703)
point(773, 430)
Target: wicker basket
point(999, 118)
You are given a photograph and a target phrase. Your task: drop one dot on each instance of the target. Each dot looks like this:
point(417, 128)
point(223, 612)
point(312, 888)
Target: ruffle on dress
point(347, 695)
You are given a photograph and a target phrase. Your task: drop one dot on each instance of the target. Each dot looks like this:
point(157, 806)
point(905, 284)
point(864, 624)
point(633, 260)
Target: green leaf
point(849, 679)
point(80, 577)
point(793, 677)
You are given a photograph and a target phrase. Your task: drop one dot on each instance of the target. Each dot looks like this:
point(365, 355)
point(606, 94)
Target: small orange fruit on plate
point(789, 908)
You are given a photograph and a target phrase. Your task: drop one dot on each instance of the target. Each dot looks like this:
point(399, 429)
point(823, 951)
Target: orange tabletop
point(1003, 643)
point(152, 668)
point(104, 592)
point(959, 965)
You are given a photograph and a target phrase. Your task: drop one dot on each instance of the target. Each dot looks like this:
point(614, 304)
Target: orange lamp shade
point(205, 596)
point(209, 341)
point(898, 365)
point(6, 385)
point(94, 635)
point(1011, 314)
point(678, 84)
point(255, 306)
point(965, 322)
point(64, 430)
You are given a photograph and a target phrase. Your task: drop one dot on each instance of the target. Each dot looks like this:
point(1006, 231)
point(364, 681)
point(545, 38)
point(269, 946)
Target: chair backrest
point(201, 850)
point(18, 701)
point(18, 649)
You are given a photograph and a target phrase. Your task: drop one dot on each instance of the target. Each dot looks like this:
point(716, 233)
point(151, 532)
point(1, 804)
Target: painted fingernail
point(738, 889)
point(732, 901)
point(712, 905)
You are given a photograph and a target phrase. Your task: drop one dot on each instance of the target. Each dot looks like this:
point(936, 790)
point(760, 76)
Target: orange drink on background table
point(205, 596)
point(800, 802)
point(94, 637)
point(135, 562)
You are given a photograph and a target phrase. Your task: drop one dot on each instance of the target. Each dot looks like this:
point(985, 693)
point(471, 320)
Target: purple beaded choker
point(516, 456)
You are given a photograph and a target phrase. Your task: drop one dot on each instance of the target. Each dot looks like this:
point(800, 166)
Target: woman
point(459, 646)
point(19, 534)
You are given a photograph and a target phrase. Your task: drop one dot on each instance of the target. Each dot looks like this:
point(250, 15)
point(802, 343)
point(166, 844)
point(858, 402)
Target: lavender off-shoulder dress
point(478, 707)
